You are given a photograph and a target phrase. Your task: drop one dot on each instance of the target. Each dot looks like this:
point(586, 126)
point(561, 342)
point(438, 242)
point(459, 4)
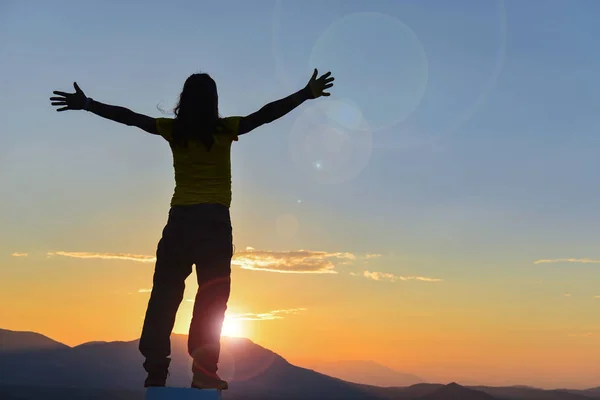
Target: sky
point(438, 213)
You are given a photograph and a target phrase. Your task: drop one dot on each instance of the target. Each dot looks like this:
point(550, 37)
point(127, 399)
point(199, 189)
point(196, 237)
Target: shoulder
point(230, 126)
point(164, 126)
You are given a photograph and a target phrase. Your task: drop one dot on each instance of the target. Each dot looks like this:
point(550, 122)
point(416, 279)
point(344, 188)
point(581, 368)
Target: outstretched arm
point(277, 109)
point(79, 101)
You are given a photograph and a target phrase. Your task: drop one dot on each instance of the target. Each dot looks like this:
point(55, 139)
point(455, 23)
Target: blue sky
point(500, 150)
point(482, 157)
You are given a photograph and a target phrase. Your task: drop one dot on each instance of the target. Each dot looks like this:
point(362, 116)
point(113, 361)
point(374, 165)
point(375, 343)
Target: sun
point(232, 327)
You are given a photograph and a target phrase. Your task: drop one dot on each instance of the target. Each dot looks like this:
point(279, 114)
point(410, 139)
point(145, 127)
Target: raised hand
point(70, 101)
point(316, 87)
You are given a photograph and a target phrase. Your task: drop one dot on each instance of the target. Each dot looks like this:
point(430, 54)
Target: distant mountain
point(24, 341)
point(253, 371)
point(526, 393)
point(420, 391)
point(454, 391)
point(403, 393)
point(366, 372)
point(594, 393)
point(33, 366)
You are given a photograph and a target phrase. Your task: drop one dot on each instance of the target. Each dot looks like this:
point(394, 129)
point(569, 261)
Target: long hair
point(197, 112)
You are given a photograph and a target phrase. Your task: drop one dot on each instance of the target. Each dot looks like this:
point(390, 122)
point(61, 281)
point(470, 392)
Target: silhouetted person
point(198, 230)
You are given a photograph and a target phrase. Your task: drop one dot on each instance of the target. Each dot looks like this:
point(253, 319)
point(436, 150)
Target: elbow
point(267, 115)
point(128, 117)
point(263, 116)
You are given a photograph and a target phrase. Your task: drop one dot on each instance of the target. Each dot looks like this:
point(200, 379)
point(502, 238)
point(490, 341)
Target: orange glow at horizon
point(494, 331)
point(232, 327)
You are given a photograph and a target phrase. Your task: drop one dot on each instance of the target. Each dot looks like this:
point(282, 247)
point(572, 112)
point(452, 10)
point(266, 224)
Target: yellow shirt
point(202, 176)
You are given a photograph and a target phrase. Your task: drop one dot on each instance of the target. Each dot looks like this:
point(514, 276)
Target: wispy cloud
point(568, 260)
point(301, 261)
point(19, 254)
point(597, 297)
point(271, 315)
point(266, 316)
point(105, 256)
point(567, 294)
point(387, 277)
point(144, 290)
point(369, 256)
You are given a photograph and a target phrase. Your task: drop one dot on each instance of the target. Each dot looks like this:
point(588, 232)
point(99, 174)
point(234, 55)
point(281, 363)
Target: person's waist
point(202, 207)
point(203, 186)
point(202, 211)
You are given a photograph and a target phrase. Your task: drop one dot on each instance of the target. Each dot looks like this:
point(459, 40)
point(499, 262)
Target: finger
point(63, 109)
point(329, 80)
point(325, 76)
point(58, 98)
point(77, 89)
point(314, 75)
point(61, 93)
point(59, 103)
point(328, 86)
point(326, 94)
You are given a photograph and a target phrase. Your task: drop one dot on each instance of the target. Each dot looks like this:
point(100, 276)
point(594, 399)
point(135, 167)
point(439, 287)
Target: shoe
point(158, 371)
point(203, 381)
point(156, 379)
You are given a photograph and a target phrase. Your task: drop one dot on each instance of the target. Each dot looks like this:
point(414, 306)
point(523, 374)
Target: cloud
point(568, 260)
point(567, 294)
point(597, 297)
point(271, 315)
point(144, 290)
point(19, 254)
point(301, 261)
point(266, 316)
point(105, 256)
point(384, 276)
point(368, 256)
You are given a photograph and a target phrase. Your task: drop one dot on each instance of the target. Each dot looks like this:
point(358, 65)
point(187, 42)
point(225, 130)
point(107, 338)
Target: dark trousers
point(201, 235)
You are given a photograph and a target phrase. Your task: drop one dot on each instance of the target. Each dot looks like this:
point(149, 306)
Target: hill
point(454, 391)
point(366, 372)
point(21, 341)
point(34, 366)
point(252, 370)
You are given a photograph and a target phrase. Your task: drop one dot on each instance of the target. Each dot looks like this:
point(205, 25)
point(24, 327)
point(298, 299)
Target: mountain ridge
point(366, 372)
point(454, 391)
point(11, 340)
point(253, 371)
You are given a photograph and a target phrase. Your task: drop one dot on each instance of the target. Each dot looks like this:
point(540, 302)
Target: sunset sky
point(438, 214)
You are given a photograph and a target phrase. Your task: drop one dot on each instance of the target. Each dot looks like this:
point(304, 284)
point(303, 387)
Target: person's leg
point(173, 266)
point(213, 270)
point(207, 321)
